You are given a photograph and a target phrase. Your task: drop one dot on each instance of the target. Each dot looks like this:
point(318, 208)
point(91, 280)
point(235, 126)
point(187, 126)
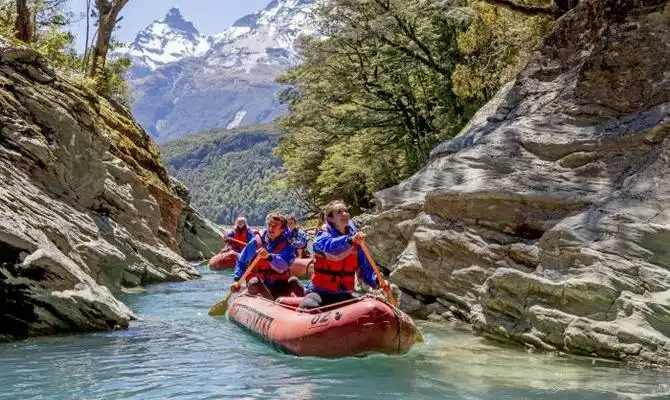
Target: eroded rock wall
point(86, 206)
point(547, 220)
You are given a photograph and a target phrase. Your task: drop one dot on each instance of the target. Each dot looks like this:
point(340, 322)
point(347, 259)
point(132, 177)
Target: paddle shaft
point(237, 241)
point(250, 269)
point(372, 262)
point(221, 306)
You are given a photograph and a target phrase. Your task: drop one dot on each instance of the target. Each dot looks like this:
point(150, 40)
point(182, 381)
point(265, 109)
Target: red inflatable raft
point(351, 328)
point(223, 260)
point(227, 259)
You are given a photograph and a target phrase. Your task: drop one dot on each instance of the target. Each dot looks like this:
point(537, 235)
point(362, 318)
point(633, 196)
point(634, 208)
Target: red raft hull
point(301, 267)
point(223, 260)
point(351, 328)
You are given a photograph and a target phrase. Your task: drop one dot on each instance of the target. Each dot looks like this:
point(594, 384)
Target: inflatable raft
point(355, 327)
point(301, 267)
point(224, 260)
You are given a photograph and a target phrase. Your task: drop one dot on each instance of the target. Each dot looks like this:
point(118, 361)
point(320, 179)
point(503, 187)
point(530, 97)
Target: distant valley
point(230, 173)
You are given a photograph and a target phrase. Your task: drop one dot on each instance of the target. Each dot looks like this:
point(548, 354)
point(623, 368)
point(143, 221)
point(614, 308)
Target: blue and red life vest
point(263, 270)
point(336, 274)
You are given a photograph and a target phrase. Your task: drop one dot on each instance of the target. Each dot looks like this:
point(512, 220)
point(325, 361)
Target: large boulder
point(547, 220)
point(86, 206)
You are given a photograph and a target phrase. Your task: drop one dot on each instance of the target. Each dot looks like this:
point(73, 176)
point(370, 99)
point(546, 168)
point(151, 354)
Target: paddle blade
point(220, 307)
point(418, 337)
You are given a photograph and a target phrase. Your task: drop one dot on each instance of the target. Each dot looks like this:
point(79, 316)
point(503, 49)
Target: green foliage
point(370, 102)
point(111, 82)
point(57, 44)
point(58, 47)
point(494, 48)
point(384, 83)
point(7, 16)
point(231, 173)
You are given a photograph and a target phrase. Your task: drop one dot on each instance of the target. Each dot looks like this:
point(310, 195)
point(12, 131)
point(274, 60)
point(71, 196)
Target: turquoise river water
point(176, 351)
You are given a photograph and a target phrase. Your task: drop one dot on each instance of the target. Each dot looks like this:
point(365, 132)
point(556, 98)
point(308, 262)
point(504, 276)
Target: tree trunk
point(108, 12)
point(23, 25)
point(88, 27)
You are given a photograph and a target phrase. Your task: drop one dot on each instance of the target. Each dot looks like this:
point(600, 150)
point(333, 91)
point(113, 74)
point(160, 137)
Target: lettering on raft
point(253, 319)
point(321, 319)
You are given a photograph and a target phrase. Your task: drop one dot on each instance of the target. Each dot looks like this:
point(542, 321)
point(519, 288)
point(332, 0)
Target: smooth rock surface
point(546, 222)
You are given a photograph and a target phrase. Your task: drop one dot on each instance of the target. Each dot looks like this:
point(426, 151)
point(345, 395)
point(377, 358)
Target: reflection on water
point(176, 350)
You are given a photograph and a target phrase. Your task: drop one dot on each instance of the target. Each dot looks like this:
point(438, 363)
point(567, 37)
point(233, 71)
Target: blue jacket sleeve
point(365, 270)
point(325, 243)
point(250, 235)
point(282, 261)
point(246, 257)
point(231, 234)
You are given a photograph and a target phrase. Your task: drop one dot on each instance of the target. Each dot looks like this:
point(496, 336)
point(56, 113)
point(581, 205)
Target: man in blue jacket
point(338, 257)
point(271, 277)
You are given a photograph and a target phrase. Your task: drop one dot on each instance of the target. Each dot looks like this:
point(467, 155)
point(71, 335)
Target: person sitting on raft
point(338, 256)
point(297, 237)
point(240, 232)
point(270, 278)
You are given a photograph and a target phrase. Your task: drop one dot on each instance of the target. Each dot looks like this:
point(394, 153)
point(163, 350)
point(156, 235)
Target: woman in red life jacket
point(271, 277)
point(338, 256)
point(240, 232)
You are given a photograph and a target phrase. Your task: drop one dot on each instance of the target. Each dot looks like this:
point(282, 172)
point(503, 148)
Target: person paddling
point(297, 237)
point(271, 278)
point(338, 256)
point(240, 233)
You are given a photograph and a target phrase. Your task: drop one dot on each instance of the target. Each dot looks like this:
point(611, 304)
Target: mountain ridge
point(222, 80)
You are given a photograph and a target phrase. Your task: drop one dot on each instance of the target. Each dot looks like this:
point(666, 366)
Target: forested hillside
point(231, 173)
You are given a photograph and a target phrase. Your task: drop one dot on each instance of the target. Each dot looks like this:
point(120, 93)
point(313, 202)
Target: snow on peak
point(166, 40)
point(263, 38)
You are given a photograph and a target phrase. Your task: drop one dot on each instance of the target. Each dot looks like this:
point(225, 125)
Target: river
point(175, 350)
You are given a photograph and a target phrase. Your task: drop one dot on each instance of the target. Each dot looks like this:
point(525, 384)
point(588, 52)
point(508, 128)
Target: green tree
point(384, 81)
point(368, 103)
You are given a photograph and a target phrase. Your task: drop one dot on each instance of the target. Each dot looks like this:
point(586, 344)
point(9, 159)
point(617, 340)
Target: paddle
point(387, 288)
point(241, 243)
point(222, 305)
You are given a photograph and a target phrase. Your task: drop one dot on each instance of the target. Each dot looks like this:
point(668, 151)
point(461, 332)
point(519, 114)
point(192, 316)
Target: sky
point(208, 16)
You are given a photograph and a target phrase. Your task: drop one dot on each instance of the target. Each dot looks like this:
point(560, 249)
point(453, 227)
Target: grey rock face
point(86, 207)
point(547, 220)
point(198, 237)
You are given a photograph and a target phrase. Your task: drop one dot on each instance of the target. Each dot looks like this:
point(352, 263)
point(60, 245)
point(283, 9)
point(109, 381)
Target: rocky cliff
point(86, 207)
point(547, 220)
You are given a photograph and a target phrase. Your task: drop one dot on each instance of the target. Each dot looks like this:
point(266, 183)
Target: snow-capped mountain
point(263, 38)
point(165, 41)
point(184, 82)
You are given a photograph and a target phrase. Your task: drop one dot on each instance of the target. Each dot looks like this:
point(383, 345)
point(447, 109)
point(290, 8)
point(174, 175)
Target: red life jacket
point(336, 275)
point(263, 270)
point(240, 235)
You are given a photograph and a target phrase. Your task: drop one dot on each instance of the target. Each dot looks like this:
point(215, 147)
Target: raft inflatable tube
point(224, 260)
point(354, 327)
point(302, 267)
